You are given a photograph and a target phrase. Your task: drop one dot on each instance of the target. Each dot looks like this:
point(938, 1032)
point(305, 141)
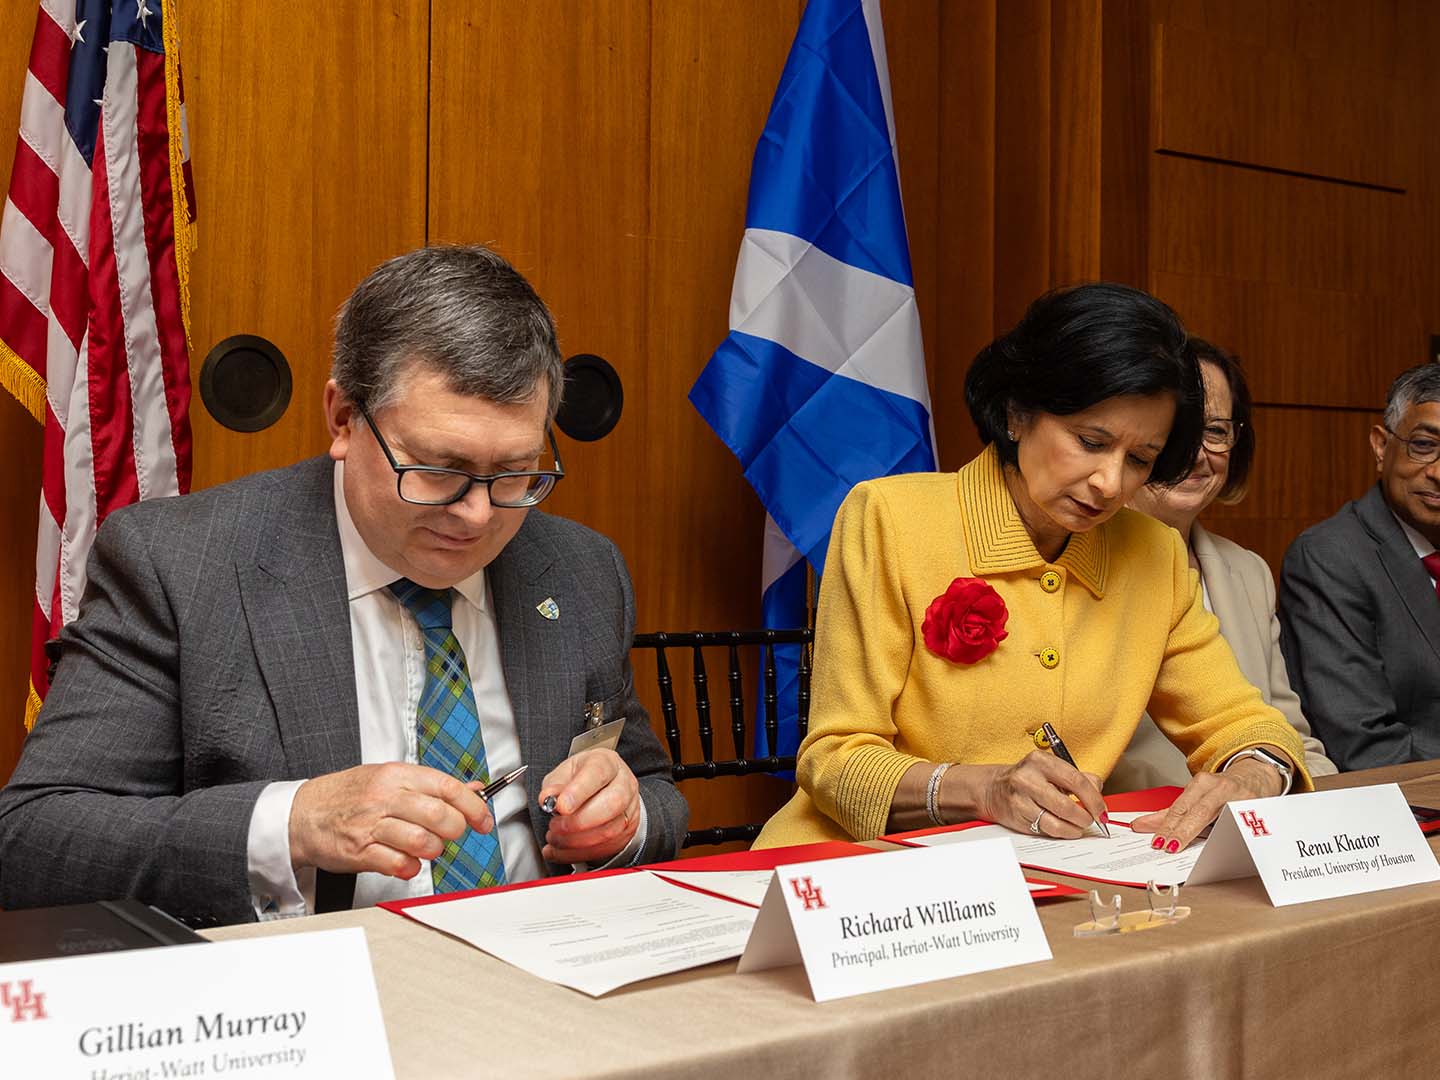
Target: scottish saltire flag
point(821, 383)
point(94, 255)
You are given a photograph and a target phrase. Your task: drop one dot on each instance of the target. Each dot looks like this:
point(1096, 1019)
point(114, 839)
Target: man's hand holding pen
point(594, 800)
point(384, 818)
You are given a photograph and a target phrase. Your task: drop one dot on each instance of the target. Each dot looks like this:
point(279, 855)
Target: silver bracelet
point(932, 793)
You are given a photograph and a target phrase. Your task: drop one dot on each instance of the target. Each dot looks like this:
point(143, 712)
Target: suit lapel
point(1402, 566)
point(295, 605)
point(531, 649)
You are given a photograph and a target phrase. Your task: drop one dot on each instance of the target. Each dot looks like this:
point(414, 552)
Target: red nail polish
point(1172, 847)
point(1158, 843)
point(1104, 817)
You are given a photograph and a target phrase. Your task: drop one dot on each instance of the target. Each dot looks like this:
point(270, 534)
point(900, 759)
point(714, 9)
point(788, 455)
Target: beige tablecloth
point(1335, 988)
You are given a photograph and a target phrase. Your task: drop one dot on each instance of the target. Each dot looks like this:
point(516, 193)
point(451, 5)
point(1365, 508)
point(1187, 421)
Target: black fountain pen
point(1060, 750)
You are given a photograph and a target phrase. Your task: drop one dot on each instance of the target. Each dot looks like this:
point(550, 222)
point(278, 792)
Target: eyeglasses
point(430, 485)
point(1221, 433)
point(1423, 449)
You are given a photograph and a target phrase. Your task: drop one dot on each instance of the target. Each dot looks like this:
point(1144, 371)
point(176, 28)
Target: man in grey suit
point(1359, 610)
point(283, 694)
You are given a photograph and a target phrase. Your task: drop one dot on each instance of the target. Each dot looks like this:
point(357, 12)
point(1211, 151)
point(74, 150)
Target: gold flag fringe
point(23, 381)
point(32, 707)
point(184, 228)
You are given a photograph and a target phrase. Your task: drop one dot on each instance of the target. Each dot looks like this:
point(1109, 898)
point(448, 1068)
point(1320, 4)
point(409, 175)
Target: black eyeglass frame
point(1236, 426)
point(1409, 449)
point(555, 475)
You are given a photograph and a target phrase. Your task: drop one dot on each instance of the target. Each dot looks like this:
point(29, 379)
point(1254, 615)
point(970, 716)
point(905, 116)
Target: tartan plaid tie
point(447, 736)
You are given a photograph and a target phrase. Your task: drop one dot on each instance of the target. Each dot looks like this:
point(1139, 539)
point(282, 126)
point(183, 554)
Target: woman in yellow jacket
point(959, 612)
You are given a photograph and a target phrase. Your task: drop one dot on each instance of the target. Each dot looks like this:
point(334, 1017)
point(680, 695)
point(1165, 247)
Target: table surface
point(1329, 988)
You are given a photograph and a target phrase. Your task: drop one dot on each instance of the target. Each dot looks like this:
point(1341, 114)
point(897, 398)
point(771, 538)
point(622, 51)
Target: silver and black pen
point(1060, 750)
point(490, 790)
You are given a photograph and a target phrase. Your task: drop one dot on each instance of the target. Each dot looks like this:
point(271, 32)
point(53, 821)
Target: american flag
point(94, 256)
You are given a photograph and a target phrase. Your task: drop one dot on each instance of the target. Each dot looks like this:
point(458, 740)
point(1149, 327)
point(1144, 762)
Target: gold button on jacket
point(1050, 581)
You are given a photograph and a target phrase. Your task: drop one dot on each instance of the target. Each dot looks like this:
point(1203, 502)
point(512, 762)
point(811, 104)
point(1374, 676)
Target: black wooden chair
point(734, 642)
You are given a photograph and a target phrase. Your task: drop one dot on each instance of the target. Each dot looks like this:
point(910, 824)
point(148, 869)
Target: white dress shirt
point(389, 679)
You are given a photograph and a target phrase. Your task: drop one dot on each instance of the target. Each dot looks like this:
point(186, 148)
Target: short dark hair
point(463, 311)
point(1242, 454)
point(1078, 346)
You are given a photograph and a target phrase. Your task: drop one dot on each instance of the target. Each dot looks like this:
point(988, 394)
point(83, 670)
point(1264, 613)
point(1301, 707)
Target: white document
point(897, 918)
point(599, 933)
point(1126, 858)
point(300, 1005)
point(746, 886)
point(1320, 845)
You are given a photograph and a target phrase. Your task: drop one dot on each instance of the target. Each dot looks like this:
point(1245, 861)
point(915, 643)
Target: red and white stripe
point(90, 302)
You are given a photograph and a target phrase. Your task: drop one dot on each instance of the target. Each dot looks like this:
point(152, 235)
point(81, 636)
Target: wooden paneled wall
point(1265, 168)
point(1292, 172)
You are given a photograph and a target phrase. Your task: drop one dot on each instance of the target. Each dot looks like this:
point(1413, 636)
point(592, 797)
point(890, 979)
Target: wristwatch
point(1283, 767)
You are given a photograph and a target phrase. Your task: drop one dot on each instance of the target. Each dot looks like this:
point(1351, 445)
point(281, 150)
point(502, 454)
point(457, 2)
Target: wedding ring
point(1035, 825)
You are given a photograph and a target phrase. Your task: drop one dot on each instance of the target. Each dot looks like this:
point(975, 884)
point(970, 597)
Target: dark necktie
point(1432, 564)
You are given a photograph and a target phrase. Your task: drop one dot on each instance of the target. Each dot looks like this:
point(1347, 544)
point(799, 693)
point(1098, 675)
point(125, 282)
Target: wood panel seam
point(1276, 170)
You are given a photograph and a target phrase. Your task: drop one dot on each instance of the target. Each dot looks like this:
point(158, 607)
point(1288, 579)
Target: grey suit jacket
point(212, 656)
point(1361, 633)
point(1242, 597)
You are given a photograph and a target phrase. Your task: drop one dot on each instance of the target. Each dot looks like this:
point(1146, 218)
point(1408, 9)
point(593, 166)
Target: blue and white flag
point(821, 383)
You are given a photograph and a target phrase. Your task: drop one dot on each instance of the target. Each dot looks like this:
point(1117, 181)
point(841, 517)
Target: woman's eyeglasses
point(1220, 434)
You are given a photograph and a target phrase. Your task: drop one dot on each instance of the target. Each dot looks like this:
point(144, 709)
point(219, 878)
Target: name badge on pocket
point(606, 736)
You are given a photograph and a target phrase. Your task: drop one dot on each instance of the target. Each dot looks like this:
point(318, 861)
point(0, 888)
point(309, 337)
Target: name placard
point(1319, 845)
point(897, 918)
point(297, 1005)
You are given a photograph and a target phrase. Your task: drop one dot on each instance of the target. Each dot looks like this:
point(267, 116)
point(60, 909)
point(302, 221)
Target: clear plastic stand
point(1107, 918)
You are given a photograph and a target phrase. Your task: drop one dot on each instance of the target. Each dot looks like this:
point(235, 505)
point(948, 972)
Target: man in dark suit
point(1359, 610)
point(282, 695)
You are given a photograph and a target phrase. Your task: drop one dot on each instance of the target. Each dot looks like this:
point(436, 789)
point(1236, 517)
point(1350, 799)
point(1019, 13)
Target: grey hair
point(462, 311)
point(1417, 386)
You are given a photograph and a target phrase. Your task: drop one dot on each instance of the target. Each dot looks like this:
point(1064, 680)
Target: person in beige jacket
point(1238, 587)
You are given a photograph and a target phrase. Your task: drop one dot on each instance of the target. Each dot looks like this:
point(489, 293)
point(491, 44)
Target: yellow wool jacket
point(1113, 628)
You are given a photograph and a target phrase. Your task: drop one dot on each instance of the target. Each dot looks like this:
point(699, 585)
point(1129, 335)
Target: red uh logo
point(807, 894)
point(22, 1001)
point(1255, 823)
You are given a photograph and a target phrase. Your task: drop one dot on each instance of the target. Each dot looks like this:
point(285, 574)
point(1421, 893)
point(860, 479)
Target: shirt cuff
point(630, 853)
point(276, 891)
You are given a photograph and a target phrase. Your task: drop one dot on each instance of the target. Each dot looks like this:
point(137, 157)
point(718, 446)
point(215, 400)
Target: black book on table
point(80, 929)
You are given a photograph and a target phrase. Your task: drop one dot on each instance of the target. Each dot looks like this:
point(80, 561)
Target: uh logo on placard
point(808, 893)
point(1254, 822)
point(22, 1001)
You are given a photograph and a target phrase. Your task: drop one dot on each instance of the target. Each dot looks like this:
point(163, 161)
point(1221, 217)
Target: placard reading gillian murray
point(302, 1005)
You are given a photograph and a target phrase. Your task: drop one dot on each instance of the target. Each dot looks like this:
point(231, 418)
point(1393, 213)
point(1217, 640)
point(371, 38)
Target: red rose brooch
point(966, 622)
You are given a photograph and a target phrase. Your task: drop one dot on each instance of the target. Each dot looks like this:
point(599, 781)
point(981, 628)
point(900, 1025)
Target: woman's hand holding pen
point(1202, 800)
point(1034, 795)
point(1010, 795)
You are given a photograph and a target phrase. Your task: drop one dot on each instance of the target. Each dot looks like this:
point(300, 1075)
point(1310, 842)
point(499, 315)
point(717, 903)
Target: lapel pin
point(549, 608)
